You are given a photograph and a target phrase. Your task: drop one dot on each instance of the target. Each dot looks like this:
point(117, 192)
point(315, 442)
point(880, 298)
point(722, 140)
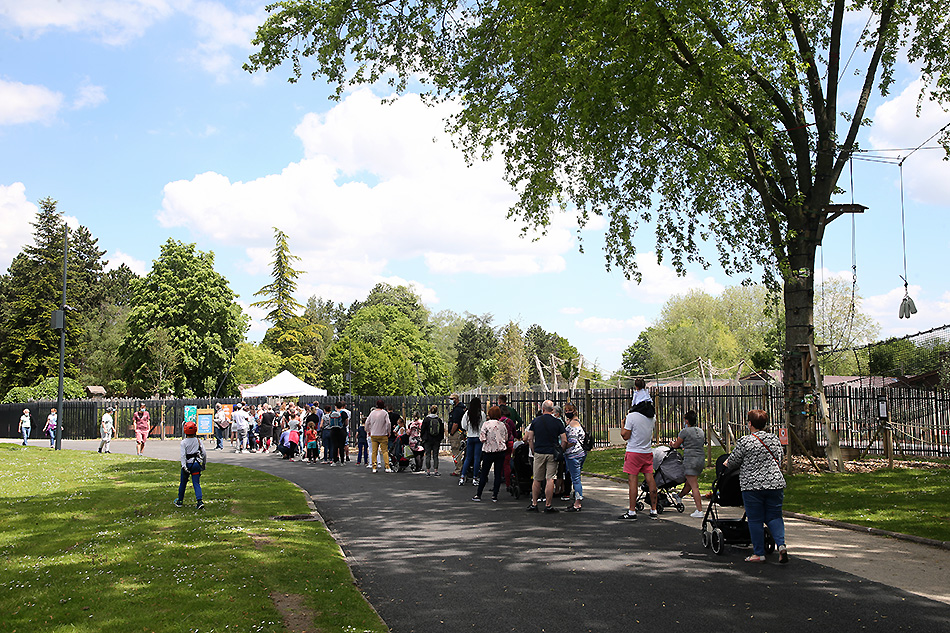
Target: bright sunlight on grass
point(906, 500)
point(93, 543)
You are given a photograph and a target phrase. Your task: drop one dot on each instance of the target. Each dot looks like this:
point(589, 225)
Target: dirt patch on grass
point(297, 616)
point(260, 540)
point(801, 464)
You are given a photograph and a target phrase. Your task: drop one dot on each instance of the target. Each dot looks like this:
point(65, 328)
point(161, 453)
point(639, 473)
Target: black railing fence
point(920, 420)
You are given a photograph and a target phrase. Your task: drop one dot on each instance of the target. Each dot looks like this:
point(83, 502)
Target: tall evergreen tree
point(32, 289)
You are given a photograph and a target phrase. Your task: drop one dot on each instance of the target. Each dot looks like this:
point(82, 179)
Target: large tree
point(32, 288)
point(511, 361)
point(475, 350)
point(712, 121)
point(194, 304)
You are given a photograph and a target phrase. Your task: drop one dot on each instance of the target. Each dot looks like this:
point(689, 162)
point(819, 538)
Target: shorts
point(636, 463)
point(141, 436)
point(545, 466)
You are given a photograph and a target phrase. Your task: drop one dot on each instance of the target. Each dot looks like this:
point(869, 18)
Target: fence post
point(588, 406)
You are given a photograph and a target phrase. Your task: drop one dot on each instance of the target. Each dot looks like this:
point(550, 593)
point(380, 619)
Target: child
point(362, 446)
point(310, 436)
point(193, 458)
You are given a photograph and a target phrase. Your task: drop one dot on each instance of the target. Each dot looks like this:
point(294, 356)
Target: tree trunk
point(799, 292)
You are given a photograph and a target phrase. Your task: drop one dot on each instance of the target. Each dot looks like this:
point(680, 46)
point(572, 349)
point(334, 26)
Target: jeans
point(473, 456)
point(327, 444)
point(195, 481)
point(496, 461)
point(764, 507)
point(574, 465)
point(219, 434)
point(26, 435)
point(362, 454)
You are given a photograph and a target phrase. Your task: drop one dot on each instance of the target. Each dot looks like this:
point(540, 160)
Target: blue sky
point(136, 116)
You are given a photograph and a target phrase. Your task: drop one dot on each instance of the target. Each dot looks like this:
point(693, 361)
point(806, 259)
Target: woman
point(762, 485)
point(472, 424)
point(50, 428)
point(493, 436)
point(575, 454)
point(433, 430)
point(26, 423)
point(693, 441)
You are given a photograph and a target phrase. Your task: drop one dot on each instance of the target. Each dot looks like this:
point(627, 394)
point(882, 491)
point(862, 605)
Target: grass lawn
point(907, 500)
point(93, 543)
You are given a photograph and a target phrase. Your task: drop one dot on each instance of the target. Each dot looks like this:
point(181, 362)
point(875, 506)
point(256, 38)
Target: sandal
point(782, 554)
point(755, 559)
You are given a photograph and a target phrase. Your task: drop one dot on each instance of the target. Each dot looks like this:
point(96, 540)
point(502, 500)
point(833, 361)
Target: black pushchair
point(521, 471)
point(398, 457)
point(668, 473)
point(718, 532)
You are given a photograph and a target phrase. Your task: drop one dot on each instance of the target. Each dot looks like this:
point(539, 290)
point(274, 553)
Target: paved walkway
point(431, 560)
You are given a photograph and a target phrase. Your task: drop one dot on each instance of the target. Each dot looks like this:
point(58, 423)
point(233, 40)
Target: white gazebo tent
point(284, 384)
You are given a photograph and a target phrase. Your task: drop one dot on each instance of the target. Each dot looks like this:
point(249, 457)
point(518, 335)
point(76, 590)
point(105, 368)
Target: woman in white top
point(472, 424)
point(26, 424)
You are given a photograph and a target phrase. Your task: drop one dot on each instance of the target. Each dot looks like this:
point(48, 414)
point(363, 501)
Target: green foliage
point(280, 292)
point(254, 364)
point(446, 326)
point(475, 350)
point(511, 360)
point(32, 288)
point(104, 329)
point(184, 295)
point(117, 388)
point(18, 394)
point(388, 352)
point(45, 389)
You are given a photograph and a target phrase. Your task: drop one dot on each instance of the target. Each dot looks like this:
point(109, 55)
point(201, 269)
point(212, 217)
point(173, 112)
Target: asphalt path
point(430, 560)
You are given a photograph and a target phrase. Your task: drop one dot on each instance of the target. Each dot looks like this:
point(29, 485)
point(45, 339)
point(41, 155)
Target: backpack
point(435, 426)
point(336, 420)
point(588, 442)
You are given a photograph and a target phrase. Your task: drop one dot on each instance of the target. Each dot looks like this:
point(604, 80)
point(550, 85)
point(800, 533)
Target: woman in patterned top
point(574, 455)
point(493, 437)
point(762, 484)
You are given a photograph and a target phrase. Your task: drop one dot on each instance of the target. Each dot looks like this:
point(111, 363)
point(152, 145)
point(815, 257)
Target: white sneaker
point(698, 514)
point(389, 470)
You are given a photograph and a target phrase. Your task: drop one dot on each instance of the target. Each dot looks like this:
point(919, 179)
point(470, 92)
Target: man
point(105, 430)
point(142, 424)
point(221, 424)
point(456, 437)
point(240, 424)
point(544, 435)
point(510, 412)
point(638, 433)
point(378, 427)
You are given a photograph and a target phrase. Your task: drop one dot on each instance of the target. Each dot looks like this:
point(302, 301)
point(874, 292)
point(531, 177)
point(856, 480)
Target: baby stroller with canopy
point(521, 470)
point(668, 473)
point(717, 532)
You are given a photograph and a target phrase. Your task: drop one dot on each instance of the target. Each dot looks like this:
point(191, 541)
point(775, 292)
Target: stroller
point(521, 471)
point(401, 456)
point(718, 532)
point(668, 474)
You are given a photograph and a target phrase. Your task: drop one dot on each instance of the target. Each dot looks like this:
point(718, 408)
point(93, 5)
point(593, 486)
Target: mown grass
point(93, 543)
point(906, 500)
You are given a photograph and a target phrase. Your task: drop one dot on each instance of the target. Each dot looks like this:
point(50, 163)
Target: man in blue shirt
point(545, 433)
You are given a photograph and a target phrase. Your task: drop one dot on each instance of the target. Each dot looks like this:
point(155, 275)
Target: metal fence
point(920, 420)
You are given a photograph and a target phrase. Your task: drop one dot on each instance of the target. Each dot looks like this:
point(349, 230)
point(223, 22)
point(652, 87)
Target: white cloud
point(659, 282)
point(896, 125)
point(220, 31)
point(118, 258)
point(372, 189)
point(89, 96)
point(24, 103)
point(885, 308)
point(601, 325)
point(114, 21)
point(16, 213)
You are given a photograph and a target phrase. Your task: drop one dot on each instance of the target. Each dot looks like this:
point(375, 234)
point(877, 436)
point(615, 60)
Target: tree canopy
point(195, 306)
point(725, 122)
